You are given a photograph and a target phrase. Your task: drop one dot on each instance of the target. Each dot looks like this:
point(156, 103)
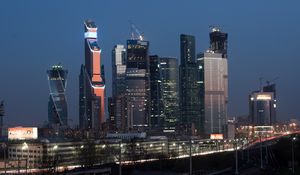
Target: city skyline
point(248, 57)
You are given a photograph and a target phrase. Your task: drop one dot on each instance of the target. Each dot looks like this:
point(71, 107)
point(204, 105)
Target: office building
point(91, 82)
point(137, 84)
point(190, 98)
point(156, 105)
point(214, 80)
point(57, 105)
point(262, 108)
point(118, 109)
point(169, 92)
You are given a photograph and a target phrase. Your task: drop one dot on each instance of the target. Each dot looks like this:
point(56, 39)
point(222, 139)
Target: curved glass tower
point(57, 105)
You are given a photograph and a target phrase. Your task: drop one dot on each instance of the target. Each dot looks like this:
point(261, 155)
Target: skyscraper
point(156, 106)
point(169, 92)
point(57, 105)
point(118, 102)
point(137, 83)
point(214, 79)
point(190, 101)
point(262, 107)
point(91, 82)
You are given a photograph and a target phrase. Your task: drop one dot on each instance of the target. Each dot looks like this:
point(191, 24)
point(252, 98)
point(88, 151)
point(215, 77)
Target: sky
point(264, 41)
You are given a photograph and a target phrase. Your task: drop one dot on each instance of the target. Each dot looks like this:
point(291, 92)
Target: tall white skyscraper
point(213, 68)
point(215, 74)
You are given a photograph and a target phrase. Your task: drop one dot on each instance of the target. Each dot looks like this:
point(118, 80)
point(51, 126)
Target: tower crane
point(135, 33)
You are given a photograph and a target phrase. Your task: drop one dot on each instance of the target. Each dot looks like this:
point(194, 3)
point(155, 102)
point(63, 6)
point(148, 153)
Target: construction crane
point(268, 82)
point(135, 33)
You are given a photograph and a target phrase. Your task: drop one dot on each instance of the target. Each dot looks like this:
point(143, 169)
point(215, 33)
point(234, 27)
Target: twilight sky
point(264, 41)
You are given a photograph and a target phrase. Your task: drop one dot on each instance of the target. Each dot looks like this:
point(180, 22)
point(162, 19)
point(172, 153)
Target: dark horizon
point(262, 42)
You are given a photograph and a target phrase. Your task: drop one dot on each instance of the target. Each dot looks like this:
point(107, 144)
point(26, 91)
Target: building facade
point(190, 101)
point(262, 108)
point(169, 77)
point(215, 81)
point(57, 104)
point(156, 105)
point(118, 89)
point(137, 84)
point(91, 82)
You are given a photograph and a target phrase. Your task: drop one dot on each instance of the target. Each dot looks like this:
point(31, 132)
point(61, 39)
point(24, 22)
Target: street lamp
point(25, 146)
point(293, 155)
point(53, 156)
point(4, 153)
point(235, 143)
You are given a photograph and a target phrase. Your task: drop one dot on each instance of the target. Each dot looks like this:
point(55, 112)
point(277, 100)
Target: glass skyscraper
point(57, 105)
point(137, 84)
point(169, 92)
point(190, 98)
point(91, 82)
point(156, 105)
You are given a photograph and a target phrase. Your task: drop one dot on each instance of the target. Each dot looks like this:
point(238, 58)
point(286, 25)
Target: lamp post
point(54, 148)
point(261, 153)
point(191, 163)
point(293, 155)
point(120, 158)
point(25, 146)
point(236, 157)
point(4, 153)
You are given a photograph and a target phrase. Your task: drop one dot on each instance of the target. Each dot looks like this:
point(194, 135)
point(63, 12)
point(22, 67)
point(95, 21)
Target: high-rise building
point(57, 105)
point(190, 101)
point(214, 80)
point(156, 105)
point(118, 70)
point(91, 82)
point(137, 84)
point(169, 92)
point(262, 108)
point(118, 103)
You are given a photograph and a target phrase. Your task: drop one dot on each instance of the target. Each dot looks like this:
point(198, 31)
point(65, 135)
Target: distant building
point(169, 92)
point(190, 97)
point(156, 104)
point(213, 68)
point(137, 84)
point(91, 82)
point(262, 108)
point(230, 129)
point(57, 105)
point(118, 88)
